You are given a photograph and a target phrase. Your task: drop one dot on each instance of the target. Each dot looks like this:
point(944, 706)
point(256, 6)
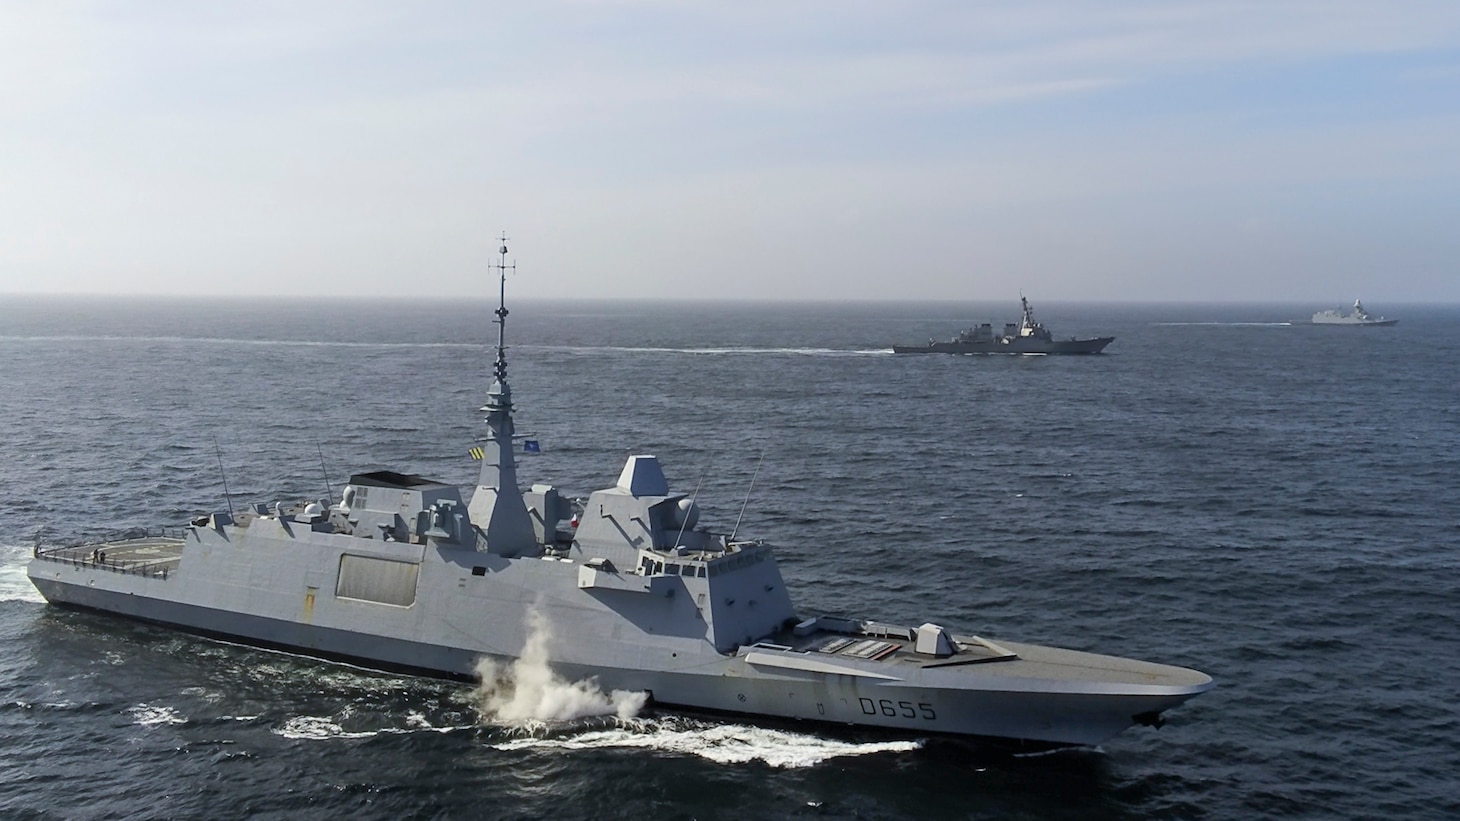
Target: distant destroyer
point(404, 574)
point(1027, 337)
point(1358, 317)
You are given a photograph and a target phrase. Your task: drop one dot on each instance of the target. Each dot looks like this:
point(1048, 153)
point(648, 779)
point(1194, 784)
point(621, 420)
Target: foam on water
point(14, 584)
point(323, 728)
point(721, 743)
point(153, 715)
point(315, 728)
point(527, 689)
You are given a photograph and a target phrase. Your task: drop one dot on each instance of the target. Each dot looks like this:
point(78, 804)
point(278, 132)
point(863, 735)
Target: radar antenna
point(499, 370)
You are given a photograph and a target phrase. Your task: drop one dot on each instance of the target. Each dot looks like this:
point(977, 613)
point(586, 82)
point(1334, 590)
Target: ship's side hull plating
point(614, 637)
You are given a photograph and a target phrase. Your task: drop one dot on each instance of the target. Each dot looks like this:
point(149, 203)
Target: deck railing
point(94, 552)
point(100, 561)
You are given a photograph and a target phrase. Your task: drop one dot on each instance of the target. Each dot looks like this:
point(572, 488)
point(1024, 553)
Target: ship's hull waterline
point(956, 701)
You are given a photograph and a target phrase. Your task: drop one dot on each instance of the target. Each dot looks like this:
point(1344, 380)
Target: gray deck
point(156, 556)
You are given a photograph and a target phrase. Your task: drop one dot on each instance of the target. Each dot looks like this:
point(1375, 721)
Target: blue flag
point(531, 446)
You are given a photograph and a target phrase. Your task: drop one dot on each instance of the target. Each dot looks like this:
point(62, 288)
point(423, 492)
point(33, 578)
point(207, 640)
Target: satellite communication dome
point(686, 513)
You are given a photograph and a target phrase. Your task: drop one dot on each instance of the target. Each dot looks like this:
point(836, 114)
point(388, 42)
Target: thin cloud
point(245, 147)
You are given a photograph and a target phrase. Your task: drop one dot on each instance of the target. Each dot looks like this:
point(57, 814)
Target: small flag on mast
point(531, 446)
point(476, 453)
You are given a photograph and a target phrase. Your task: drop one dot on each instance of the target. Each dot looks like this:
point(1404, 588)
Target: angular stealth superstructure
point(402, 575)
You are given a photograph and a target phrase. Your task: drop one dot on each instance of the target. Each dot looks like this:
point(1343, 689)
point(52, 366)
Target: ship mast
point(497, 507)
point(499, 370)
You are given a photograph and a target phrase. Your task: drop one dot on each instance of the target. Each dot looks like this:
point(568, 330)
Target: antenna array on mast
point(499, 370)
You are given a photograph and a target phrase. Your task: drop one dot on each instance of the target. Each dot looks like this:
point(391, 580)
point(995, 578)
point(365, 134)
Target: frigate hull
point(1345, 320)
point(333, 644)
point(906, 709)
point(466, 606)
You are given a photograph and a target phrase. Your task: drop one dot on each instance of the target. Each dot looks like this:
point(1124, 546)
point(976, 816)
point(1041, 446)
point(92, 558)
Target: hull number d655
point(897, 709)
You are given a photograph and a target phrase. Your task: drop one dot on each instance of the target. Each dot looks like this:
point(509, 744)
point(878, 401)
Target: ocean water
point(1272, 503)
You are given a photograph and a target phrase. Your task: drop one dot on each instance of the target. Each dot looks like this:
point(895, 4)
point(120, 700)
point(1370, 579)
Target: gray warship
point(404, 574)
point(1027, 337)
point(1358, 317)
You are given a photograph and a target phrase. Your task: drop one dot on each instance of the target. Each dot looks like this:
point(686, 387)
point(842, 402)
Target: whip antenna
point(219, 452)
point(328, 491)
point(736, 529)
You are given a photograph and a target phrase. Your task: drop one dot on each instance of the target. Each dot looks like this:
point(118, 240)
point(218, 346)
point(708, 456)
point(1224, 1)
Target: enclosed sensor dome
point(686, 513)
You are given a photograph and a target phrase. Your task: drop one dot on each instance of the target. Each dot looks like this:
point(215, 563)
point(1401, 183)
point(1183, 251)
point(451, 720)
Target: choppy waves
point(1271, 506)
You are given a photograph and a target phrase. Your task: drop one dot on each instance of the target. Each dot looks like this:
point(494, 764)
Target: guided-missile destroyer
point(404, 574)
point(1028, 336)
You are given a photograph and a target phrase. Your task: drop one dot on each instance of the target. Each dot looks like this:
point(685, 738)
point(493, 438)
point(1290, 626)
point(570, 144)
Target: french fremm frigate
point(1358, 317)
point(1028, 336)
point(403, 574)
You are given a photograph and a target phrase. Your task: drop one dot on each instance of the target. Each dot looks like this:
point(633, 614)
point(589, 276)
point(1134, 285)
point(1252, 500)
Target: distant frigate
point(1358, 317)
point(1027, 337)
point(404, 574)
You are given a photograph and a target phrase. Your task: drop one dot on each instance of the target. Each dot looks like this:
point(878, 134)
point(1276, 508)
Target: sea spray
point(528, 690)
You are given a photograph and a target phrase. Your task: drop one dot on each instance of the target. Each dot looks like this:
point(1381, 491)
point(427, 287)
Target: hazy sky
point(1222, 150)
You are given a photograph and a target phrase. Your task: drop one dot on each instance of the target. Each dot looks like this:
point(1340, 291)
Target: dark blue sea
point(1273, 503)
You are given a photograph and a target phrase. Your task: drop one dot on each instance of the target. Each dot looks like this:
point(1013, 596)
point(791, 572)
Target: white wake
point(721, 743)
point(527, 695)
point(14, 584)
